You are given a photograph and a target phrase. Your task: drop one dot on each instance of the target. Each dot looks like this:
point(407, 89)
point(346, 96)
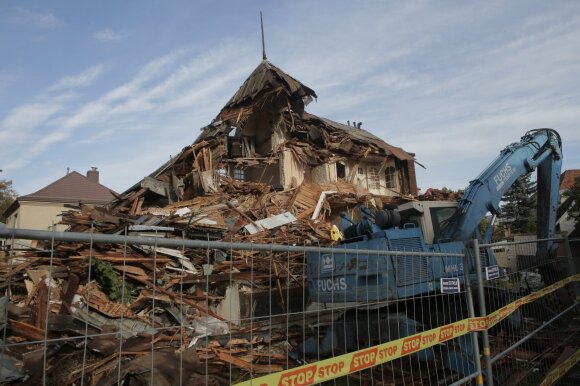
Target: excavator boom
point(538, 149)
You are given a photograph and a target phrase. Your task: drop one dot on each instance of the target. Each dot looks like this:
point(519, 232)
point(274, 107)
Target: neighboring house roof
point(568, 177)
point(72, 188)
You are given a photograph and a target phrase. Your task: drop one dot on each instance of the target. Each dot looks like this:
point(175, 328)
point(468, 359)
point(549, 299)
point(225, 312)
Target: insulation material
point(270, 222)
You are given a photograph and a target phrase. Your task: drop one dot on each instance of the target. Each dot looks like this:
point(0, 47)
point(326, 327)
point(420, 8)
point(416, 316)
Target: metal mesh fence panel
point(530, 339)
point(125, 309)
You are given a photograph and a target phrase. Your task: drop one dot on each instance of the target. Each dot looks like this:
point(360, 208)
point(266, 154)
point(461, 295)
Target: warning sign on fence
point(450, 285)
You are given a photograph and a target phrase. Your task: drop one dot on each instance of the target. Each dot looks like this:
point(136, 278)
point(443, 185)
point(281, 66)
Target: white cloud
point(106, 35)
point(16, 127)
point(159, 91)
point(84, 79)
point(27, 17)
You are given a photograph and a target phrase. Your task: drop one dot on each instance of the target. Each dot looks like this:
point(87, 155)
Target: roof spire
point(263, 44)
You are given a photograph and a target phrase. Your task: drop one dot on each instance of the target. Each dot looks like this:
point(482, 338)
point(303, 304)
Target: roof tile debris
point(568, 178)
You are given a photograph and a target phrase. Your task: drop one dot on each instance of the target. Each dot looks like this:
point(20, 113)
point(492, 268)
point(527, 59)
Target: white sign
point(492, 272)
point(450, 285)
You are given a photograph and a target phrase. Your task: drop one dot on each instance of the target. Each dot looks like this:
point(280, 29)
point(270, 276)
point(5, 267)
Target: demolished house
point(264, 135)
point(263, 171)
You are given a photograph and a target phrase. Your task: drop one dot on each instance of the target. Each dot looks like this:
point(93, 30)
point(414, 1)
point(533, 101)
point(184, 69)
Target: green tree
point(7, 197)
point(572, 196)
point(483, 225)
point(519, 208)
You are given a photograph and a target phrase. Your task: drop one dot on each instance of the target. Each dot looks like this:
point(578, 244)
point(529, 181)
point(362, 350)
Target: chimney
point(93, 175)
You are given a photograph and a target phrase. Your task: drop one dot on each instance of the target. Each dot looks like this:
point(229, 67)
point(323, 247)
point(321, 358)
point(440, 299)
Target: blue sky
point(124, 85)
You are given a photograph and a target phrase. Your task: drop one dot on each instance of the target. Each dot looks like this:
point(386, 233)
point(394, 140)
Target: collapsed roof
point(269, 98)
point(266, 83)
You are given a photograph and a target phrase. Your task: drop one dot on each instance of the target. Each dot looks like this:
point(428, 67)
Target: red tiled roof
point(568, 177)
point(73, 187)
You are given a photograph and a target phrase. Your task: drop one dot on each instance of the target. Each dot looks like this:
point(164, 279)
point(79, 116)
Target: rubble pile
point(147, 293)
point(444, 194)
point(264, 171)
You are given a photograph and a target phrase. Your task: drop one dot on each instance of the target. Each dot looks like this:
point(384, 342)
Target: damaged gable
point(269, 86)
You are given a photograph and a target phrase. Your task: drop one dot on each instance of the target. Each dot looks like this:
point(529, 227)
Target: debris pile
point(264, 171)
point(444, 194)
point(144, 292)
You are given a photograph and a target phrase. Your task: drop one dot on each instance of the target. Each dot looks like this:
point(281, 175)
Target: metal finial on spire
point(263, 43)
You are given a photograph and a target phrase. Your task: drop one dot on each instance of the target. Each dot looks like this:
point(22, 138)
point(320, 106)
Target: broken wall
point(293, 171)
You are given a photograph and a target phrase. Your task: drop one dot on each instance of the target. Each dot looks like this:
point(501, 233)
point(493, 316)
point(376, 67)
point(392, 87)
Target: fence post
point(482, 312)
point(471, 314)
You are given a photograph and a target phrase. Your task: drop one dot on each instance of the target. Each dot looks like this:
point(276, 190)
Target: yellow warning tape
point(345, 364)
point(559, 371)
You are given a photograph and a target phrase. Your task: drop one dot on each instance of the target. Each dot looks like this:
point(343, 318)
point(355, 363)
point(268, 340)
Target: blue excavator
point(354, 279)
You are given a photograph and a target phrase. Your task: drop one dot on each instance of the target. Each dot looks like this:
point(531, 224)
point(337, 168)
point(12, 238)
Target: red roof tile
point(73, 187)
point(568, 177)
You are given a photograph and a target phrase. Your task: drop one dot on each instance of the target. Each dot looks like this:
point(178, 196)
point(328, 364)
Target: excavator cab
point(430, 216)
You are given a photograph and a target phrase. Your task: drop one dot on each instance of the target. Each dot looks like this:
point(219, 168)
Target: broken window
point(374, 180)
point(340, 170)
point(239, 174)
point(235, 146)
point(248, 149)
point(391, 177)
point(222, 172)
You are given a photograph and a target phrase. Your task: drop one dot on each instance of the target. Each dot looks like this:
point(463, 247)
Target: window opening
point(340, 170)
point(439, 216)
point(374, 180)
point(239, 174)
point(391, 177)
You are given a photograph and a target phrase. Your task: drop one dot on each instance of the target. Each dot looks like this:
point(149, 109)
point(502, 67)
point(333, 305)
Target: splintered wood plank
point(71, 290)
point(99, 301)
point(127, 259)
point(26, 330)
point(139, 205)
point(41, 305)
point(254, 367)
point(306, 213)
point(134, 207)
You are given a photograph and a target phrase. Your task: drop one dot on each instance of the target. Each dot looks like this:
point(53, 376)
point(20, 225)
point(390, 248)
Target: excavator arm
point(538, 149)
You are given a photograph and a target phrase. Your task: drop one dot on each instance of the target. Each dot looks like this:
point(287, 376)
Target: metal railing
point(86, 308)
